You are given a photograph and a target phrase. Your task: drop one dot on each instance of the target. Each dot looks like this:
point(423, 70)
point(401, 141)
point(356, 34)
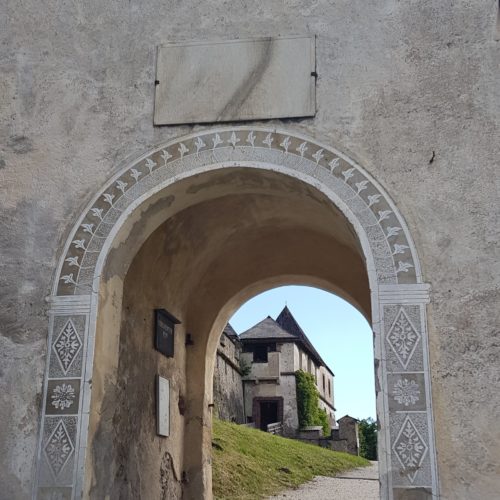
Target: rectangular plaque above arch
point(235, 80)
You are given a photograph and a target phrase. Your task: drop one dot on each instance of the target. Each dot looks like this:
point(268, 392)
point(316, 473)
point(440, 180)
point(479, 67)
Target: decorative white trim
point(69, 304)
point(392, 265)
point(415, 293)
point(274, 149)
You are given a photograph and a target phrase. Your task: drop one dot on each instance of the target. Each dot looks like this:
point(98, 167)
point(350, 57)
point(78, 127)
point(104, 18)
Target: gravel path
point(353, 485)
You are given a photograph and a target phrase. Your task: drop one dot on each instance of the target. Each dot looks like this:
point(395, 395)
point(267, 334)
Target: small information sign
point(164, 332)
point(162, 406)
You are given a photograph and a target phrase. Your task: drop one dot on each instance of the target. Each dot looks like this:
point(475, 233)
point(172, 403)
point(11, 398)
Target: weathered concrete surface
point(410, 89)
point(353, 485)
point(126, 458)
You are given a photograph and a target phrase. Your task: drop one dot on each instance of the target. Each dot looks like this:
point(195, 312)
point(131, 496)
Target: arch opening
point(198, 236)
point(278, 335)
point(251, 230)
point(340, 334)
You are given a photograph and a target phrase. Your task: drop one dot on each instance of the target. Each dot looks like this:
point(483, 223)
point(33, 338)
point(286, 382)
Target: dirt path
point(353, 485)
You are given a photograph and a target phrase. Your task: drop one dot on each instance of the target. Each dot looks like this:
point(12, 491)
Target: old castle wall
point(409, 89)
point(228, 385)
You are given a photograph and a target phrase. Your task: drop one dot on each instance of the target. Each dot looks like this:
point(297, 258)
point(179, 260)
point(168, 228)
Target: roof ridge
point(274, 325)
point(296, 330)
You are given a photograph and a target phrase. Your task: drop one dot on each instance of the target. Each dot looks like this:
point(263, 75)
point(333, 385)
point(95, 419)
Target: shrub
point(368, 439)
point(323, 420)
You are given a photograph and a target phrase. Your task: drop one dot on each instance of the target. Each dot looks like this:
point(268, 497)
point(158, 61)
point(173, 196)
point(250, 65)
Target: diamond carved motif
point(59, 448)
point(403, 338)
point(67, 345)
point(410, 449)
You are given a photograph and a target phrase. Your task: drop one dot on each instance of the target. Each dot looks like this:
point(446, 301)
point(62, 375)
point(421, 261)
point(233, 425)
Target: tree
point(368, 438)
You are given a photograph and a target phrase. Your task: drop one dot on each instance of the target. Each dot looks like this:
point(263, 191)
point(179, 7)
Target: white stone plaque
point(200, 82)
point(162, 406)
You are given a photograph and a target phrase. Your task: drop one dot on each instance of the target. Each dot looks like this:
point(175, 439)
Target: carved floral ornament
point(376, 213)
point(406, 392)
point(59, 448)
point(410, 449)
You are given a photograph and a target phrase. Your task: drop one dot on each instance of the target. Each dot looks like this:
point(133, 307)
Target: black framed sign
point(164, 332)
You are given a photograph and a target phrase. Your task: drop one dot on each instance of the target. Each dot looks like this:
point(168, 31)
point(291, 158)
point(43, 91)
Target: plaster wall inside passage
point(226, 235)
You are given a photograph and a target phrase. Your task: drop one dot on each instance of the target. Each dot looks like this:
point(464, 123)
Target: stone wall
point(123, 422)
point(290, 411)
point(409, 89)
point(228, 385)
point(346, 437)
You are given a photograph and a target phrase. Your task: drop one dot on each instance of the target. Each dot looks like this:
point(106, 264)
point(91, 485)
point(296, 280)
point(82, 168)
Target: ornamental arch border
point(398, 296)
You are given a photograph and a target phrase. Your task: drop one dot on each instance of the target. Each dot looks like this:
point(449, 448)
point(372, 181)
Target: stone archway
point(398, 295)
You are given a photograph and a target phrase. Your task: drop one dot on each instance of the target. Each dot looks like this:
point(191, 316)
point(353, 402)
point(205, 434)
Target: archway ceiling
point(270, 226)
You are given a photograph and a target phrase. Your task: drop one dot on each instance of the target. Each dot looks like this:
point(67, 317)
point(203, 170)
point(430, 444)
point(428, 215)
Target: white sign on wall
point(200, 82)
point(162, 406)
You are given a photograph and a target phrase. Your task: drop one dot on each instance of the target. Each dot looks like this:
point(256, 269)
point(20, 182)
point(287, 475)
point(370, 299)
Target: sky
point(338, 331)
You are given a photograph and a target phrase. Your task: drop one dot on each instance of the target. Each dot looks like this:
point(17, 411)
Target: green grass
point(247, 462)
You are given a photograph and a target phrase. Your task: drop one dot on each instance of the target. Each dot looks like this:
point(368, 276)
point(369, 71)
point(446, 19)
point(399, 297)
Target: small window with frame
point(260, 353)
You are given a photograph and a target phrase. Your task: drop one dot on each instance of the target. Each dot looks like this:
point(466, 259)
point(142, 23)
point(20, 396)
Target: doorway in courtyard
point(196, 228)
point(266, 413)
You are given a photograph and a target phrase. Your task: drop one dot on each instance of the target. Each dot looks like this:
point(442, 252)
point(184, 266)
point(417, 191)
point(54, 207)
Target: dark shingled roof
point(266, 329)
point(230, 331)
point(348, 417)
point(289, 323)
point(284, 328)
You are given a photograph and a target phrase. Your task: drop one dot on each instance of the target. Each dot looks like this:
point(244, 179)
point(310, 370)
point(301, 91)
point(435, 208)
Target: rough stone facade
point(346, 437)
point(228, 385)
point(408, 89)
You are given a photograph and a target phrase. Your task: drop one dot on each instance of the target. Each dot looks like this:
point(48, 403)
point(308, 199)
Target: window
point(324, 384)
point(329, 387)
point(260, 353)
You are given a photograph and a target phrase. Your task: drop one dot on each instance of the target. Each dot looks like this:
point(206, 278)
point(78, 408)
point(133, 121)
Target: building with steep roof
point(274, 350)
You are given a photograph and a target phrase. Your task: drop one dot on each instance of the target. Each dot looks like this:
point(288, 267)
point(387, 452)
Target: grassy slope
point(248, 465)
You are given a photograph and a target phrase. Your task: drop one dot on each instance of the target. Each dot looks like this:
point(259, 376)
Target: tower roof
point(289, 323)
point(266, 329)
point(284, 328)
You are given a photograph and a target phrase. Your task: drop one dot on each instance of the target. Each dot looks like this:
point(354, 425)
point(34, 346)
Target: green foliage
point(368, 439)
point(307, 398)
point(323, 420)
point(249, 464)
point(308, 403)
